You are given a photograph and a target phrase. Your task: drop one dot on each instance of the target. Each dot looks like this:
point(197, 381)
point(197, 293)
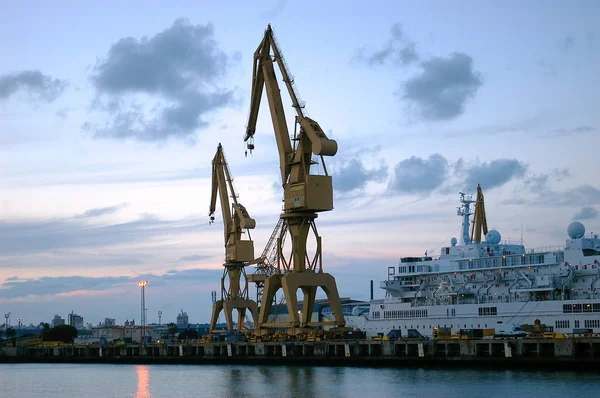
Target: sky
point(111, 112)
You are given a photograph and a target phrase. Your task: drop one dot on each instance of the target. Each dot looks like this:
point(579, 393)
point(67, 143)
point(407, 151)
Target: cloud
point(548, 69)
point(583, 195)
point(63, 113)
point(539, 183)
point(179, 68)
point(15, 287)
point(101, 211)
point(493, 174)
point(589, 37)
point(29, 237)
point(441, 90)
point(566, 132)
point(586, 213)
point(353, 175)
point(419, 176)
point(399, 50)
point(566, 43)
point(38, 86)
point(194, 257)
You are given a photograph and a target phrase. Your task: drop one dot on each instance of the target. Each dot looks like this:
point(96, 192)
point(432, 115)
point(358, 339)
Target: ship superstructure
point(476, 284)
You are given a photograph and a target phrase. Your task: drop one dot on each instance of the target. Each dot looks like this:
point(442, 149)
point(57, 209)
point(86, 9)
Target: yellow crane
point(238, 252)
point(479, 218)
point(304, 194)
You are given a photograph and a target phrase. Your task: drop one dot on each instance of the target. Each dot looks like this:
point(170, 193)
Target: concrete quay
point(570, 354)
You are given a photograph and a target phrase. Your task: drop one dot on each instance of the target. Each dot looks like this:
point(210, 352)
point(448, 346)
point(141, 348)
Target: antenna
point(521, 229)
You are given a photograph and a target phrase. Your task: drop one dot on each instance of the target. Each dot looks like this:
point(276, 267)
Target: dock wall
point(504, 353)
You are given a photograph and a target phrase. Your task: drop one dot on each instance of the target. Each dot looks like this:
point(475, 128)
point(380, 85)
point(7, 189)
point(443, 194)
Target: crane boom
point(479, 218)
point(304, 194)
point(294, 162)
point(236, 249)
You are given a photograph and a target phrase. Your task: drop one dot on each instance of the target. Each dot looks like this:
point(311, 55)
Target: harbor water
point(145, 381)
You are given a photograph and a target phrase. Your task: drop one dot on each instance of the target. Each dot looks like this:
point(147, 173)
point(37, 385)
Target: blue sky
point(111, 114)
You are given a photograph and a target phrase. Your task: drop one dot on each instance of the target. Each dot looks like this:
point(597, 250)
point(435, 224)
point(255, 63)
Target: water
point(157, 381)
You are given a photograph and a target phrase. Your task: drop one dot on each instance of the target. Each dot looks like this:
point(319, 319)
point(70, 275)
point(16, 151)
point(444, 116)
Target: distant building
point(76, 320)
point(57, 320)
point(182, 319)
point(130, 322)
point(109, 322)
point(124, 333)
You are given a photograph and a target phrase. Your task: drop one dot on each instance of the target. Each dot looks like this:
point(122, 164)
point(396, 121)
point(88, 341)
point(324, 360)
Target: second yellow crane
point(238, 252)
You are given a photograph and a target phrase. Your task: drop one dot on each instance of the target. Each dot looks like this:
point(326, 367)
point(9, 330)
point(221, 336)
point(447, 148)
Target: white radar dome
point(576, 230)
point(493, 237)
point(453, 241)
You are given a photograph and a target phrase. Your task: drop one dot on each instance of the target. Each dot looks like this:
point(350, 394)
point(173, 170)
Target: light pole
point(19, 334)
point(142, 285)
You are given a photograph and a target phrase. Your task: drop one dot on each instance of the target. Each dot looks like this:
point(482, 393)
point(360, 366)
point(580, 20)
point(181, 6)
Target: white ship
point(478, 284)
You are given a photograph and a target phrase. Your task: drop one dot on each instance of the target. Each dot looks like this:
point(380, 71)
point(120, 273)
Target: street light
point(142, 285)
point(19, 334)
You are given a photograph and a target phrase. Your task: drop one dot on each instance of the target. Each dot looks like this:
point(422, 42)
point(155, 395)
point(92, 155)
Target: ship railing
point(511, 241)
point(546, 249)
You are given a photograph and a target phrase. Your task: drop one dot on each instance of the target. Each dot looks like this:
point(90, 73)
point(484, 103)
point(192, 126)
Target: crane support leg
point(308, 282)
point(309, 302)
point(272, 285)
point(233, 297)
point(217, 308)
point(302, 273)
point(227, 306)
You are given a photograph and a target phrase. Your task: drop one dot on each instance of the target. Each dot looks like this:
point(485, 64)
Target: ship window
point(567, 308)
point(590, 252)
point(562, 324)
point(587, 308)
point(576, 323)
point(596, 307)
point(577, 308)
point(592, 323)
point(484, 311)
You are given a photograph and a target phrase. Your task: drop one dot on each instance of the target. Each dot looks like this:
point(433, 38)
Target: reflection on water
point(142, 382)
point(90, 381)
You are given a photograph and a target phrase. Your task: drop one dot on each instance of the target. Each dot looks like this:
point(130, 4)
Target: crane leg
point(272, 284)
point(309, 282)
point(228, 309)
point(309, 303)
point(217, 307)
point(241, 317)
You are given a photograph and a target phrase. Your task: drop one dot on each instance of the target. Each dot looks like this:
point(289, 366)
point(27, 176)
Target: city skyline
point(107, 137)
